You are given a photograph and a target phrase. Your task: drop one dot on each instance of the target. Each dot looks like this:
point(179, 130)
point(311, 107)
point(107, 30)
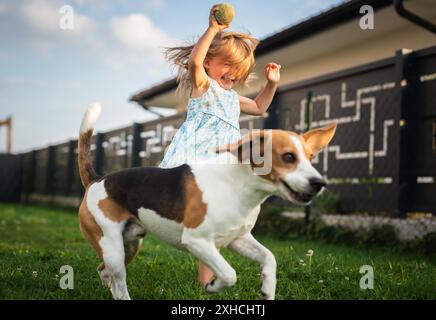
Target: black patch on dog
point(158, 189)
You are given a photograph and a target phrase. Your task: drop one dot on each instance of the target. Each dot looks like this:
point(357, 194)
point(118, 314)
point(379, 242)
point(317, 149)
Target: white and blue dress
point(212, 120)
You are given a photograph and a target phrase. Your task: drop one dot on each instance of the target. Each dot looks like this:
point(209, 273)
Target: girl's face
point(221, 72)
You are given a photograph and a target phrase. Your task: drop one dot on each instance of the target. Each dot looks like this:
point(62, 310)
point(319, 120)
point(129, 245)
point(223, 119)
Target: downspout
point(399, 7)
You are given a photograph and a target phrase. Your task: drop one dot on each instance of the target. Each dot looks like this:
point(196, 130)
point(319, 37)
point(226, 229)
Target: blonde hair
point(237, 49)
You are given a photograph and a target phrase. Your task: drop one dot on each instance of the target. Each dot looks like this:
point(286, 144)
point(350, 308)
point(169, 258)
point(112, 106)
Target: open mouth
point(227, 80)
point(299, 196)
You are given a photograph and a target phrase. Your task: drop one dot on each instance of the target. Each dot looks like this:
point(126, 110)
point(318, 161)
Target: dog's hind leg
point(111, 219)
point(114, 258)
point(133, 234)
point(132, 238)
point(93, 233)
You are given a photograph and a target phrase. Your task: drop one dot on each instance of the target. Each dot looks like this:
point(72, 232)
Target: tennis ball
point(225, 13)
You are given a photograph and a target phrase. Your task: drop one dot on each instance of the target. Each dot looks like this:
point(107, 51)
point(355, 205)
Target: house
point(328, 42)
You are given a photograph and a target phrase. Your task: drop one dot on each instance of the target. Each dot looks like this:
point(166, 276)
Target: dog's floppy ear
point(246, 147)
point(318, 138)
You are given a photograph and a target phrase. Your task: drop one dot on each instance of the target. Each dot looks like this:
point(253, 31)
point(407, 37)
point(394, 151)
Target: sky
point(49, 75)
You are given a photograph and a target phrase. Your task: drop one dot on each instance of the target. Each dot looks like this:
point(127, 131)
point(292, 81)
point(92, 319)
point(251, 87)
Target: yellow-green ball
point(225, 13)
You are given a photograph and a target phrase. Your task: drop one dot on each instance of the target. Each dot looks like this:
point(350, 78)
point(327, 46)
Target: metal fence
point(10, 174)
point(382, 158)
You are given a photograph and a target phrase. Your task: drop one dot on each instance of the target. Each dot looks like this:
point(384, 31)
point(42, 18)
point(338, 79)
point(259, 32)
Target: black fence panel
point(60, 169)
point(361, 162)
point(40, 182)
point(28, 169)
point(10, 177)
point(420, 193)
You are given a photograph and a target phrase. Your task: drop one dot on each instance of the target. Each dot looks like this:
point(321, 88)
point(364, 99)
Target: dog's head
point(287, 156)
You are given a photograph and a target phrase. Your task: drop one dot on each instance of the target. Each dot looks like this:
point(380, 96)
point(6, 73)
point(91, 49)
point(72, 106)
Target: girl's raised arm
point(263, 100)
point(196, 59)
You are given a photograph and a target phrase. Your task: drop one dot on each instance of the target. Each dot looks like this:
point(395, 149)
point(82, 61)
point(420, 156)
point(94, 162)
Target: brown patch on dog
point(89, 227)
point(113, 211)
point(101, 266)
point(307, 150)
point(281, 145)
point(86, 171)
point(278, 141)
point(195, 209)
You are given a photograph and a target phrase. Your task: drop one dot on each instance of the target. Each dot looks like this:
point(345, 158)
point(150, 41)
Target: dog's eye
point(289, 157)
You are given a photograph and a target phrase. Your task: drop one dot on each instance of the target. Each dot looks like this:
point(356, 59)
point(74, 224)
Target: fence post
point(31, 187)
point(50, 170)
point(99, 154)
point(408, 116)
point(70, 168)
point(136, 145)
point(28, 177)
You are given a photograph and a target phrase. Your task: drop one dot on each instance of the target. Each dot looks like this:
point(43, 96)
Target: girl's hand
point(213, 23)
point(272, 72)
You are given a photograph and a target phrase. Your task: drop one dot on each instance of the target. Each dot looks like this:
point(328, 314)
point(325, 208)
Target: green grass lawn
point(36, 241)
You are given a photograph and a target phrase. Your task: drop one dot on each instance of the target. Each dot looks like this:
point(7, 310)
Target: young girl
point(210, 69)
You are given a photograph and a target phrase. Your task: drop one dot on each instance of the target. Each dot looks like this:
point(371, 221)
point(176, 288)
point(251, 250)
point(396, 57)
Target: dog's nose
point(317, 184)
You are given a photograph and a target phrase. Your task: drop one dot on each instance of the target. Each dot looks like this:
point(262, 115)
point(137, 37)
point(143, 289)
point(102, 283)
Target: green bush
point(338, 235)
point(384, 235)
point(428, 244)
point(270, 221)
point(327, 202)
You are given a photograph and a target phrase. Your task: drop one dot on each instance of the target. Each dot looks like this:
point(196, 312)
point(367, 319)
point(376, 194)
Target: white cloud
point(156, 3)
point(44, 17)
point(135, 41)
point(119, 43)
point(36, 26)
point(41, 15)
point(137, 32)
point(3, 8)
point(83, 24)
point(79, 2)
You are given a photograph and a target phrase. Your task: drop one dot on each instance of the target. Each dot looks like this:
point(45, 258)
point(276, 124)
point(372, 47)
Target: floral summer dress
point(212, 120)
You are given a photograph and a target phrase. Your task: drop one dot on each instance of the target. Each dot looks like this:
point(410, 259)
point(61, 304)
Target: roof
point(328, 19)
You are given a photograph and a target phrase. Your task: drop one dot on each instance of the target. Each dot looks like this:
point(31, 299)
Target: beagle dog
point(196, 207)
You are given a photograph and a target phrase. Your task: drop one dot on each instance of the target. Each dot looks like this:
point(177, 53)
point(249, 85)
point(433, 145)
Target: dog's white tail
point(86, 171)
point(91, 116)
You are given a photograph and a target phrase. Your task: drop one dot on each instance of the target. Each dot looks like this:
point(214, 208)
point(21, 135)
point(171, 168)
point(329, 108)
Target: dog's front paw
point(210, 287)
point(214, 286)
point(218, 285)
